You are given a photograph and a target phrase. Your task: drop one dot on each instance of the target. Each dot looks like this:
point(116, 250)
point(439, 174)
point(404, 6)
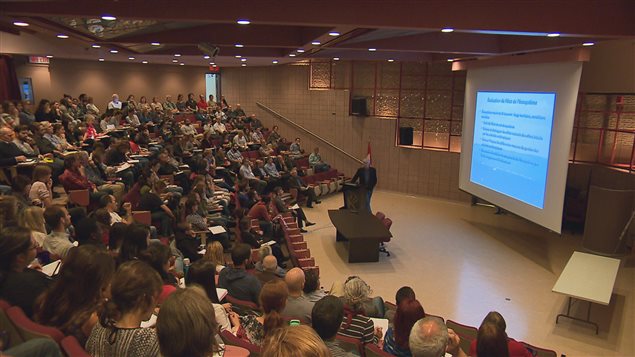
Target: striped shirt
point(360, 327)
point(133, 342)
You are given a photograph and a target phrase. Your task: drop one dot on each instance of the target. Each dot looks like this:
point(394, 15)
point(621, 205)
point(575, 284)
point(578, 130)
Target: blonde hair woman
point(295, 341)
point(216, 254)
point(33, 218)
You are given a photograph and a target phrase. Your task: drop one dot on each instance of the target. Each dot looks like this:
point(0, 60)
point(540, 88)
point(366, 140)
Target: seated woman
point(41, 192)
point(273, 298)
point(215, 254)
point(159, 257)
point(72, 301)
point(186, 326)
point(19, 284)
point(356, 324)
point(291, 341)
point(408, 312)
point(492, 339)
point(200, 222)
point(312, 289)
point(74, 178)
point(33, 218)
point(134, 244)
point(201, 273)
point(134, 291)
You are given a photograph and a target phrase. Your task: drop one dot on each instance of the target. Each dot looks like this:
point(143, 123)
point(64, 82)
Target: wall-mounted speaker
point(406, 135)
point(358, 107)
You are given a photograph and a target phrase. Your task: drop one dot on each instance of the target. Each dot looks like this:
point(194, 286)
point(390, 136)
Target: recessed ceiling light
point(49, 56)
point(131, 58)
point(21, 24)
point(175, 61)
point(274, 61)
point(155, 43)
point(292, 55)
point(206, 57)
point(588, 44)
point(299, 50)
point(114, 51)
point(238, 56)
point(95, 46)
point(144, 62)
point(101, 60)
point(372, 49)
point(212, 63)
point(336, 58)
point(450, 59)
point(447, 29)
point(177, 55)
point(334, 33)
point(243, 60)
point(316, 43)
point(243, 22)
point(239, 45)
point(391, 60)
point(62, 36)
point(181, 64)
point(553, 34)
point(108, 18)
point(243, 65)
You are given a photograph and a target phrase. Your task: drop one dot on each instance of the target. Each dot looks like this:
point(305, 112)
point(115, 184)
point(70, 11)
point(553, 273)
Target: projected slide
point(512, 136)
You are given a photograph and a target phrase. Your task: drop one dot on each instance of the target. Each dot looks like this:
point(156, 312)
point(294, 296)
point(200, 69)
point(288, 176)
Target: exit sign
point(214, 69)
point(38, 60)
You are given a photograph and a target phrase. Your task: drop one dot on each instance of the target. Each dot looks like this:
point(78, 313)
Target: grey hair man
point(430, 337)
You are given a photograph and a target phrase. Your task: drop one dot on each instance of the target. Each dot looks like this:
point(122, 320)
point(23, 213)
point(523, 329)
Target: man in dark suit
point(296, 182)
point(367, 177)
point(10, 154)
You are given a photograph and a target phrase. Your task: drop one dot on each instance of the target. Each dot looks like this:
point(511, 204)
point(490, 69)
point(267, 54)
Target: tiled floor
point(464, 261)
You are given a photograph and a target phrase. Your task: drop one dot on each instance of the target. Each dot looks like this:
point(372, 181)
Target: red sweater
point(516, 349)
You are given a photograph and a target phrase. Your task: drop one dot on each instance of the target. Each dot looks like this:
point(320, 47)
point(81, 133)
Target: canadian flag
point(368, 155)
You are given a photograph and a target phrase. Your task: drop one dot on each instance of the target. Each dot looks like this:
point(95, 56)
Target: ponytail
point(273, 321)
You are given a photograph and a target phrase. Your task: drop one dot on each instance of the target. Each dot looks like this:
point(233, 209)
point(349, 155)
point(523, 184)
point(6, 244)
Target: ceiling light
point(336, 58)
point(177, 55)
point(62, 36)
point(238, 56)
point(131, 58)
point(155, 43)
point(20, 23)
point(243, 60)
point(274, 61)
point(49, 56)
point(206, 57)
point(243, 22)
point(553, 34)
point(316, 43)
point(108, 18)
point(101, 60)
point(450, 59)
point(588, 44)
point(447, 30)
point(95, 46)
point(292, 55)
point(334, 33)
point(299, 50)
point(372, 49)
point(144, 62)
point(391, 60)
point(212, 63)
point(181, 64)
point(175, 61)
point(243, 65)
point(114, 51)
point(239, 45)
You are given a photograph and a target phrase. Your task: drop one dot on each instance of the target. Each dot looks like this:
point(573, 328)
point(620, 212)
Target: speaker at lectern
point(355, 197)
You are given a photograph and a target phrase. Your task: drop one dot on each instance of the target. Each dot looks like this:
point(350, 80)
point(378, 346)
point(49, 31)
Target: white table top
point(588, 277)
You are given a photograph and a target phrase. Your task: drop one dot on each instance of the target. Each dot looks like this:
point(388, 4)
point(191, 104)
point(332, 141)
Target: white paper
point(271, 242)
point(202, 251)
point(295, 206)
point(76, 243)
point(182, 283)
point(150, 323)
point(49, 269)
point(221, 293)
point(110, 127)
point(133, 161)
point(383, 323)
point(123, 167)
point(217, 229)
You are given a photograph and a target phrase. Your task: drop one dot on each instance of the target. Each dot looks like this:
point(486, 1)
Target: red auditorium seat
point(232, 340)
point(72, 348)
point(465, 332)
point(241, 303)
point(372, 350)
point(540, 352)
point(350, 344)
point(5, 324)
point(380, 215)
point(29, 329)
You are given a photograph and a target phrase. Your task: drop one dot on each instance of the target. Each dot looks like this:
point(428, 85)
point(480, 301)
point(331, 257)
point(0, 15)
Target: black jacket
point(366, 180)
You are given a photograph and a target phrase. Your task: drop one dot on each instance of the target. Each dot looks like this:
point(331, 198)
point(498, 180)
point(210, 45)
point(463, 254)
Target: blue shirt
point(391, 347)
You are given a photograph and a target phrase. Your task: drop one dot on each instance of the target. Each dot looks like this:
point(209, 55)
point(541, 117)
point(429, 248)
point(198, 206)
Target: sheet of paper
point(221, 293)
point(383, 323)
point(51, 268)
point(295, 206)
point(151, 321)
point(123, 167)
point(182, 283)
point(271, 242)
point(217, 229)
point(202, 251)
point(133, 161)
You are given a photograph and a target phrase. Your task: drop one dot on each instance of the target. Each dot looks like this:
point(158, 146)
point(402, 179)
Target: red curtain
point(9, 87)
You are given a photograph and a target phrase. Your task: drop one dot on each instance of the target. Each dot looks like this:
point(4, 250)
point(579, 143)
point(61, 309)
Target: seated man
point(240, 140)
point(295, 148)
point(315, 160)
point(152, 201)
point(296, 182)
point(240, 284)
point(271, 169)
point(57, 242)
point(282, 208)
point(247, 173)
point(430, 337)
point(326, 318)
point(269, 267)
point(10, 154)
point(297, 304)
